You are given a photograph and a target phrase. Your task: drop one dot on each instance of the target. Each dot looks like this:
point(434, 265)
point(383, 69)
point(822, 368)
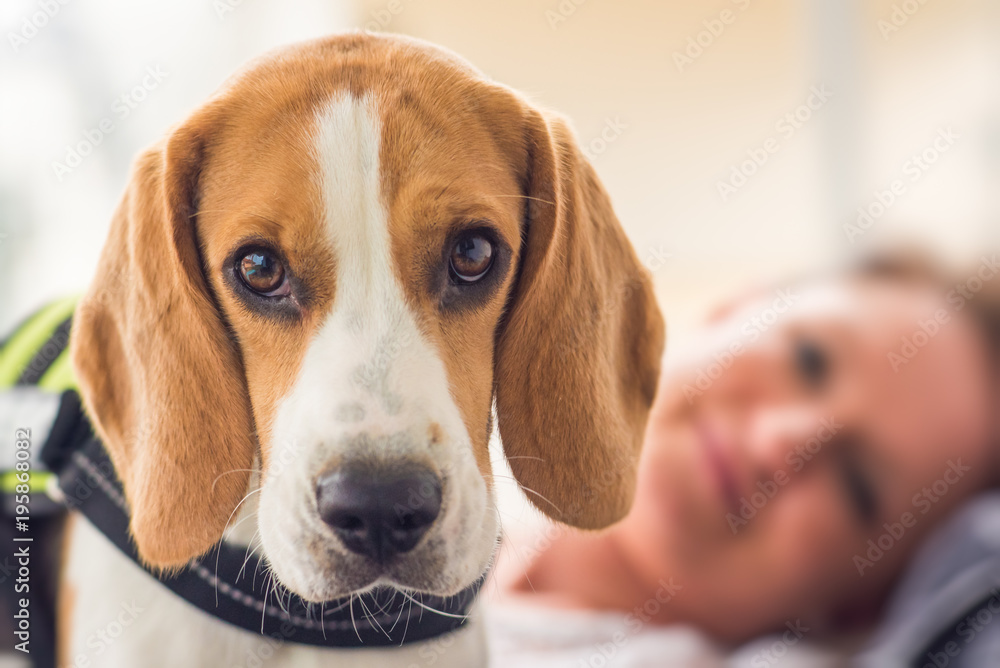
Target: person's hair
point(982, 306)
point(918, 266)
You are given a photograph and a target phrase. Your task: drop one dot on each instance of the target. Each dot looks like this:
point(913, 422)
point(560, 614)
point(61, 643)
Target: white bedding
point(533, 637)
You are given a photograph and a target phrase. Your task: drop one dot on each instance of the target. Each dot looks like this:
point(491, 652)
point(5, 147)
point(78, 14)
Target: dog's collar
point(228, 586)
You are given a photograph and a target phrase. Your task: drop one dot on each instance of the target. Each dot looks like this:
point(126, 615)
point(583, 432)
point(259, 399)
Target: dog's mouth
point(360, 538)
point(378, 614)
point(335, 575)
point(375, 603)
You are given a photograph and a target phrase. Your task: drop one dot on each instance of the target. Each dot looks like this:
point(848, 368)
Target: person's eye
point(858, 487)
point(811, 363)
point(263, 272)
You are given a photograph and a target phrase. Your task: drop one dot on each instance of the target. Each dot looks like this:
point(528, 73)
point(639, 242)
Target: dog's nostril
point(379, 515)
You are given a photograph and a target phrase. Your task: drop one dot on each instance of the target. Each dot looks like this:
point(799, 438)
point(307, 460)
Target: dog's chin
point(344, 575)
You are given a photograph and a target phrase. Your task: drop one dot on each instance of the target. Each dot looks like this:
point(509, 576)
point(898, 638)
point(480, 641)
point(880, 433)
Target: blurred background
point(742, 141)
point(738, 138)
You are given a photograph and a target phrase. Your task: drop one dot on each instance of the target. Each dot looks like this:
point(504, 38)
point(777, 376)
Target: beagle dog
point(317, 294)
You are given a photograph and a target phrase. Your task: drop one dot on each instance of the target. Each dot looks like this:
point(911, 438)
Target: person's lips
point(720, 464)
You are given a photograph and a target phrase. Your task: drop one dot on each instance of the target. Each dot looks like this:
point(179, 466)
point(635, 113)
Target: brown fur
point(579, 353)
point(65, 601)
point(183, 381)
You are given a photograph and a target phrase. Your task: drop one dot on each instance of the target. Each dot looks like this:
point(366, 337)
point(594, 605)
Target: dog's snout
point(379, 515)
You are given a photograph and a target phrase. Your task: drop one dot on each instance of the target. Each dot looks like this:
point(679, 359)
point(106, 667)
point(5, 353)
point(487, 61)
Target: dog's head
point(332, 271)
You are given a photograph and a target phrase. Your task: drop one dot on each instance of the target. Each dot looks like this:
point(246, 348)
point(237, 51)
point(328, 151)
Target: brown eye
point(471, 258)
point(262, 272)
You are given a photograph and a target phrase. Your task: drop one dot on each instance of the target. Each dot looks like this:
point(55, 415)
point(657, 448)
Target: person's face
point(769, 466)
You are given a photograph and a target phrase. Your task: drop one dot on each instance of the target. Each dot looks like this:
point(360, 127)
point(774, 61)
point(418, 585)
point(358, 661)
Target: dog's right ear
point(578, 355)
point(161, 378)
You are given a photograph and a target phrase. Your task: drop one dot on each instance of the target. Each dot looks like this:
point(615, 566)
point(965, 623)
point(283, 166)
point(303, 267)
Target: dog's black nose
point(376, 514)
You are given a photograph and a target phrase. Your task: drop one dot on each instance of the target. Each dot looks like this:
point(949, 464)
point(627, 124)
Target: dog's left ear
point(578, 354)
point(160, 375)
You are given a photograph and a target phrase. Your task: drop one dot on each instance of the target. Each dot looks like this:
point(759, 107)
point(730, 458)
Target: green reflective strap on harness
point(38, 481)
point(24, 344)
point(43, 336)
point(59, 376)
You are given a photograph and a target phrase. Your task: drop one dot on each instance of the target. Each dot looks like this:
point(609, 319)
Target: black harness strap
point(221, 582)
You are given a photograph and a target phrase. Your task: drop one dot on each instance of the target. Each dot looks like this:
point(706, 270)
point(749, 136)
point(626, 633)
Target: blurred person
point(820, 437)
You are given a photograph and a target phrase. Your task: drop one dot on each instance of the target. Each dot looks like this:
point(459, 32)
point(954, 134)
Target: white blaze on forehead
point(368, 359)
point(348, 149)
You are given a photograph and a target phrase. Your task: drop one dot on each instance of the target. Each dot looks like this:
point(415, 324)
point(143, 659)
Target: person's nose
point(788, 438)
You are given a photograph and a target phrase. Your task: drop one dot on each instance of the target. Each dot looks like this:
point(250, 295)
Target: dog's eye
point(471, 258)
point(263, 273)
